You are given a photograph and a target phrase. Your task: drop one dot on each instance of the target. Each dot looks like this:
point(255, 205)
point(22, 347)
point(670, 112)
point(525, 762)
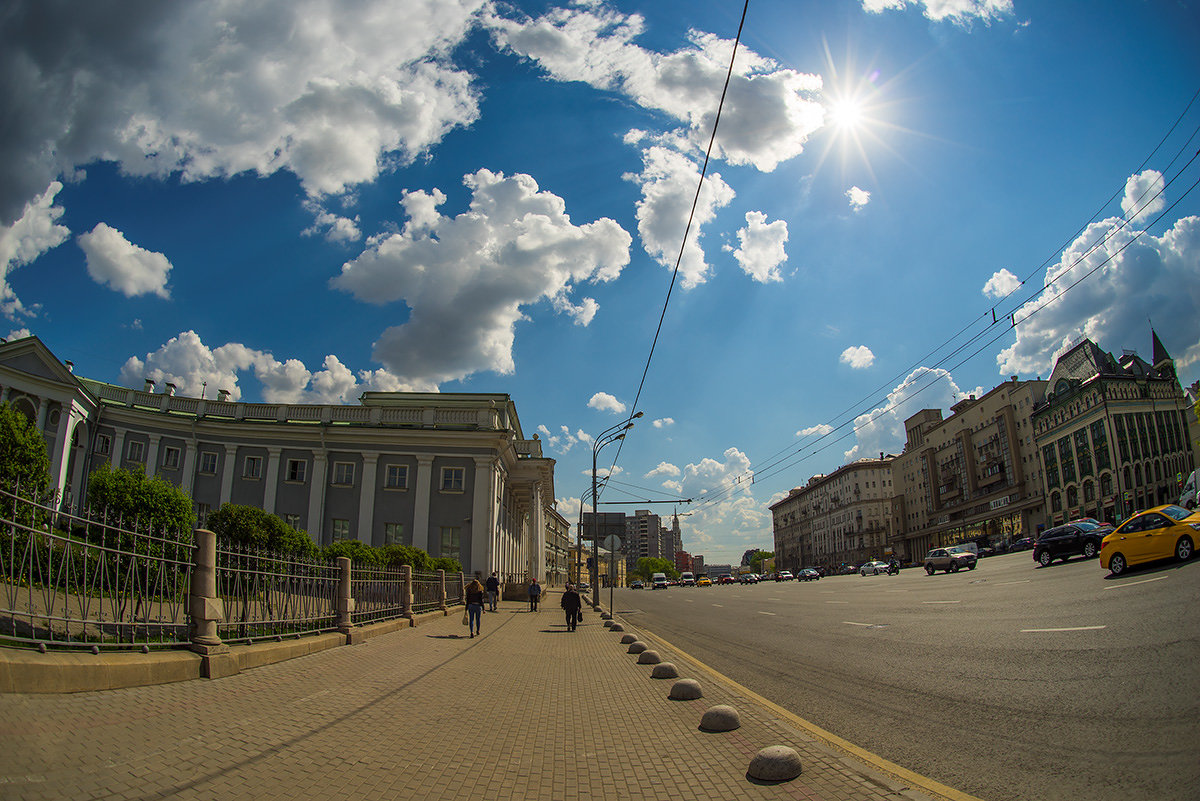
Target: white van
point(686, 579)
point(1188, 499)
point(658, 581)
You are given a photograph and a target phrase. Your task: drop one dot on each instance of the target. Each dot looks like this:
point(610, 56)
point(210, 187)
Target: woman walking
point(474, 606)
point(571, 605)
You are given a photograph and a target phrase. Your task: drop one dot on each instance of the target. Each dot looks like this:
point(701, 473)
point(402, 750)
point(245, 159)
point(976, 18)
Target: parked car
point(704, 581)
point(637, 585)
point(1023, 544)
point(583, 586)
point(873, 568)
point(820, 571)
point(1158, 533)
point(784, 575)
point(950, 560)
point(1077, 538)
point(808, 574)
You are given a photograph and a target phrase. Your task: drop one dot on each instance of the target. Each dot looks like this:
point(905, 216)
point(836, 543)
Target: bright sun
point(847, 113)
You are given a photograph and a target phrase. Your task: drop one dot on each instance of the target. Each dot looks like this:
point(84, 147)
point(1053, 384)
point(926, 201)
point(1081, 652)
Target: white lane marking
point(837, 602)
point(1131, 583)
point(690, 600)
point(851, 623)
point(941, 602)
point(772, 614)
point(776, 600)
point(1006, 583)
point(722, 606)
point(1074, 628)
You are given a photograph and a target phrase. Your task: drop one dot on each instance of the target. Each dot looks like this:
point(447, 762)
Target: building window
point(1067, 459)
point(136, 452)
point(393, 534)
point(293, 521)
point(397, 476)
point(1100, 445)
point(1083, 452)
point(452, 479)
point(450, 541)
point(341, 529)
point(171, 458)
point(208, 463)
point(295, 469)
point(103, 444)
point(253, 467)
point(1051, 466)
point(343, 473)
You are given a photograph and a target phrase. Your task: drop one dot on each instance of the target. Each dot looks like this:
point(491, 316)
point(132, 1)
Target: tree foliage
point(23, 457)
point(249, 525)
point(131, 499)
point(359, 552)
point(647, 566)
point(396, 555)
point(756, 560)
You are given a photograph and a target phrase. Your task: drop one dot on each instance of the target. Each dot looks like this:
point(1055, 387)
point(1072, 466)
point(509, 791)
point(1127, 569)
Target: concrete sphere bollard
point(664, 670)
point(628, 638)
point(775, 763)
point(636, 647)
point(686, 690)
point(721, 717)
point(608, 624)
point(649, 658)
point(616, 627)
point(606, 616)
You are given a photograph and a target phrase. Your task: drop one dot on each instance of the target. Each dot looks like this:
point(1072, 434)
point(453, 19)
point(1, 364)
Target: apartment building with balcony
point(1115, 435)
point(449, 473)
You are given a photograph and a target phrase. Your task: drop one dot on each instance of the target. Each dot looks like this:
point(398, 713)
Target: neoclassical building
point(1113, 433)
point(449, 473)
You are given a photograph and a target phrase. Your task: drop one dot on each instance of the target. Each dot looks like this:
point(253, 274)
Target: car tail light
point(1103, 543)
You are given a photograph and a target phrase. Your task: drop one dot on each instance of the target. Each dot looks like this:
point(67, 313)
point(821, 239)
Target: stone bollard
point(649, 658)
point(207, 610)
point(636, 647)
point(686, 690)
point(442, 597)
point(406, 594)
point(664, 670)
point(608, 624)
point(616, 627)
point(345, 602)
point(628, 638)
point(775, 763)
point(721, 717)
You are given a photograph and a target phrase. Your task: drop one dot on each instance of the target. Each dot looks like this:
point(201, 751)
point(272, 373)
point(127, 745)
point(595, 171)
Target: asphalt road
point(1011, 681)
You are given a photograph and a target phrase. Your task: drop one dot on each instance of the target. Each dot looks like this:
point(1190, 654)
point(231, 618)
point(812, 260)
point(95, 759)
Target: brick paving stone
point(526, 711)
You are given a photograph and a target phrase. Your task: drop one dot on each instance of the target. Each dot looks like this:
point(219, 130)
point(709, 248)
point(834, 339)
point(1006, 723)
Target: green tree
point(647, 566)
point(358, 551)
point(395, 555)
point(23, 458)
point(447, 563)
point(135, 500)
point(249, 525)
point(756, 561)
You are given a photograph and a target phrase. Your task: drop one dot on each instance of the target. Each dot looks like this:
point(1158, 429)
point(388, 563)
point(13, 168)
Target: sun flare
point(847, 113)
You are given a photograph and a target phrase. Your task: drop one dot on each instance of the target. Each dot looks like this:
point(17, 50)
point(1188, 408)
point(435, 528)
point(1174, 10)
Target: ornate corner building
point(449, 473)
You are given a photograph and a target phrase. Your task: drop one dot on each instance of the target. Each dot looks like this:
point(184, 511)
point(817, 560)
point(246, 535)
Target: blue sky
point(302, 201)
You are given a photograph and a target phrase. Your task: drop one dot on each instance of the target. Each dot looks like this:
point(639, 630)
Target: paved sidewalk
point(526, 711)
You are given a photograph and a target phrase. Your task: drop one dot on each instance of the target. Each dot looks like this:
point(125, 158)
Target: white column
point(62, 446)
point(227, 472)
point(538, 540)
point(316, 497)
point(272, 480)
point(43, 406)
point(152, 455)
point(118, 448)
point(189, 469)
point(481, 529)
point(366, 496)
point(420, 534)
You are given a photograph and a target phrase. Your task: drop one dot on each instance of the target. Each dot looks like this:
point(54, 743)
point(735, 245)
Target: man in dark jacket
point(571, 605)
point(493, 591)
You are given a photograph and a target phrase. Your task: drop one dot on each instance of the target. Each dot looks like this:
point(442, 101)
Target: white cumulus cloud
point(1131, 277)
point(663, 469)
point(131, 270)
point(663, 422)
point(1001, 284)
point(882, 429)
point(821, 429)
point(958, 11)
point(195, 368)
point(859, 357)
point(36, 231)
point(858, 198)
point(1144, 197)
point(467, 280)
point(563, 440)
point(606, 403)
point(761, 247)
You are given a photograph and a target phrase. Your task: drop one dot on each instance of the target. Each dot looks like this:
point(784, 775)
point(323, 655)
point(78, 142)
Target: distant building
point(1114, 435)
point(449, 473)
point(683, 562)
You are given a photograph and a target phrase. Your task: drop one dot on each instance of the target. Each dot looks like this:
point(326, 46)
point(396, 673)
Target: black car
point(1077, 538)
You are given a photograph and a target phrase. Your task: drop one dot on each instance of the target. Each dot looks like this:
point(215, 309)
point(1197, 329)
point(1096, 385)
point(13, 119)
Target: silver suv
point(949, 559)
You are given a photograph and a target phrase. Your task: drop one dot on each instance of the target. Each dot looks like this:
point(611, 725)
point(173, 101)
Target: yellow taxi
point(1158, 533)
point(704, 581)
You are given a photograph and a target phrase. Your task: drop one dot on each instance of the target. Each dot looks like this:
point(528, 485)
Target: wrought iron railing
point(378, 593)
point(87, 581)
point(268, 595)
point(427, 592)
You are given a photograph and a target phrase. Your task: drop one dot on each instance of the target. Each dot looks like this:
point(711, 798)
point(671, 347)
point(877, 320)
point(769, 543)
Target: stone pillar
point(366, 497)
point(206, 610)
point(345, 603)
point(406, 594)
point(227, 471)
point(43, 408)
point(479, 548)
point(316, 498)
point(271, 481)
point(189, 469)
point(420, 534)
point(152, 455)
point(118, 448)
point(442, 591)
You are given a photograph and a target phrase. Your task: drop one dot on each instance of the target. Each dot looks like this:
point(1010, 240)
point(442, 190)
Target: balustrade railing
point(269, 595)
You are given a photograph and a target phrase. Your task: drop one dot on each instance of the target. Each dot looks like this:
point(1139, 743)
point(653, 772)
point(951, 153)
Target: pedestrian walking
point(571, 605)
point(535, 595)
point(474, 605)
point(493, 591)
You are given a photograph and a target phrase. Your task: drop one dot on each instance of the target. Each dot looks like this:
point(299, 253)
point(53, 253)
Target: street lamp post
point(607, 437)
point(579, 532)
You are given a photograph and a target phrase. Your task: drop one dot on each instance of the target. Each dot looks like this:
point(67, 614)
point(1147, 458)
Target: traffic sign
point(612, 543)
